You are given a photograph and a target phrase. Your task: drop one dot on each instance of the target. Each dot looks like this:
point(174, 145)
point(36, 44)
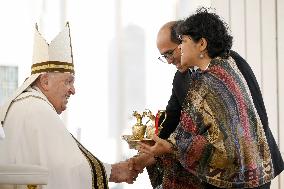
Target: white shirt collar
point(196, 68)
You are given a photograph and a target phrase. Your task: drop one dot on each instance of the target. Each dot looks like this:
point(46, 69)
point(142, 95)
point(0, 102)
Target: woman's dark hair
point(174, 35)
point(210, 26)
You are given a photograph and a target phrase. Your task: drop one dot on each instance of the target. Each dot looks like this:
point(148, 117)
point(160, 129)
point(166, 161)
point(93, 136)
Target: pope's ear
point(43, 81)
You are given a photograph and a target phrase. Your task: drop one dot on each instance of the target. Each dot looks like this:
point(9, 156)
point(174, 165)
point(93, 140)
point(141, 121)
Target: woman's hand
point(161, 147)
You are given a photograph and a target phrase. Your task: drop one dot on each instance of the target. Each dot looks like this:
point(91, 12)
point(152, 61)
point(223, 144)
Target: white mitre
point(54, 57)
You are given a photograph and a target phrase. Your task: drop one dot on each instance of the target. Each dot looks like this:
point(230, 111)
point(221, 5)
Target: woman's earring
point(201, 56)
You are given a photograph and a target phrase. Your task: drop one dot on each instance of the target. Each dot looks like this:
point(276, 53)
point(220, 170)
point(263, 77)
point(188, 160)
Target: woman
point(220, 138)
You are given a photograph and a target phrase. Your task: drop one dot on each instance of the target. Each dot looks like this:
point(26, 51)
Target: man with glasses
point(167, 55)
point(167, 44)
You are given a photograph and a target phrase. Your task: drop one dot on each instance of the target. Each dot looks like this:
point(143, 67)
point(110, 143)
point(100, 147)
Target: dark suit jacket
point(179, 90)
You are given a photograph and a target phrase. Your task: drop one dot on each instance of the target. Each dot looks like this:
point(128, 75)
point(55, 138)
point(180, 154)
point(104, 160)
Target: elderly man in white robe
point(35, 134)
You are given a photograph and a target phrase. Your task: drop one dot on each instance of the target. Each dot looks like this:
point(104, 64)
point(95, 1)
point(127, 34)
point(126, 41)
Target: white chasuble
point(36, 135)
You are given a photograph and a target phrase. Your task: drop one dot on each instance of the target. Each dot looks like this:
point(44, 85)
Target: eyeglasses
point(167, 55)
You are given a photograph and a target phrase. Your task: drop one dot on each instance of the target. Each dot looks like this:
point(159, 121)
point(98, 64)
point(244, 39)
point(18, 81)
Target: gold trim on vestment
point(52, 66)
point(100, 174)
point(24, 97)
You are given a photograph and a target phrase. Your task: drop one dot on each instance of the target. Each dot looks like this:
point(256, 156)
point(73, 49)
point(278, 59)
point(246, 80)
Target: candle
point(157, 122)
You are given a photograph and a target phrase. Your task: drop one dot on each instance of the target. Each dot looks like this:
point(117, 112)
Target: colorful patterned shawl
point(220, 138)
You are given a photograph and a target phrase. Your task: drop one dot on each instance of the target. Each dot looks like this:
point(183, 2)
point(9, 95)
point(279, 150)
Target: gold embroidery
point(35, 96)
point(18, 99)
point(52, 66)
point(100, 173)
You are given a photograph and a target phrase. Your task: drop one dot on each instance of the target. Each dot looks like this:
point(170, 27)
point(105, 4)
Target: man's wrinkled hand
point(122, 172)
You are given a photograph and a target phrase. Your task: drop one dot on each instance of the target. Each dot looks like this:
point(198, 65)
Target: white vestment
point(36, 135)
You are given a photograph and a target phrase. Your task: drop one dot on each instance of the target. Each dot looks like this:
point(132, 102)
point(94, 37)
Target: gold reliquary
point(145, 132)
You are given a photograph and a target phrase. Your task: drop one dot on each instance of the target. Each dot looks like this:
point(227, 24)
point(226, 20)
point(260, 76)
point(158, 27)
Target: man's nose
point(170, 60)
point(72, 90)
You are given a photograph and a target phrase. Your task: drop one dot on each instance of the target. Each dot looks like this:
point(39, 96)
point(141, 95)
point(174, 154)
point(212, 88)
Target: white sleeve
point(108, 169)
point(2, 134)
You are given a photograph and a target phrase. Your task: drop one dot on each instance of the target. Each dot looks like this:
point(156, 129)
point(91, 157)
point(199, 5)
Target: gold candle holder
point(138, 130)
point(151, 123)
